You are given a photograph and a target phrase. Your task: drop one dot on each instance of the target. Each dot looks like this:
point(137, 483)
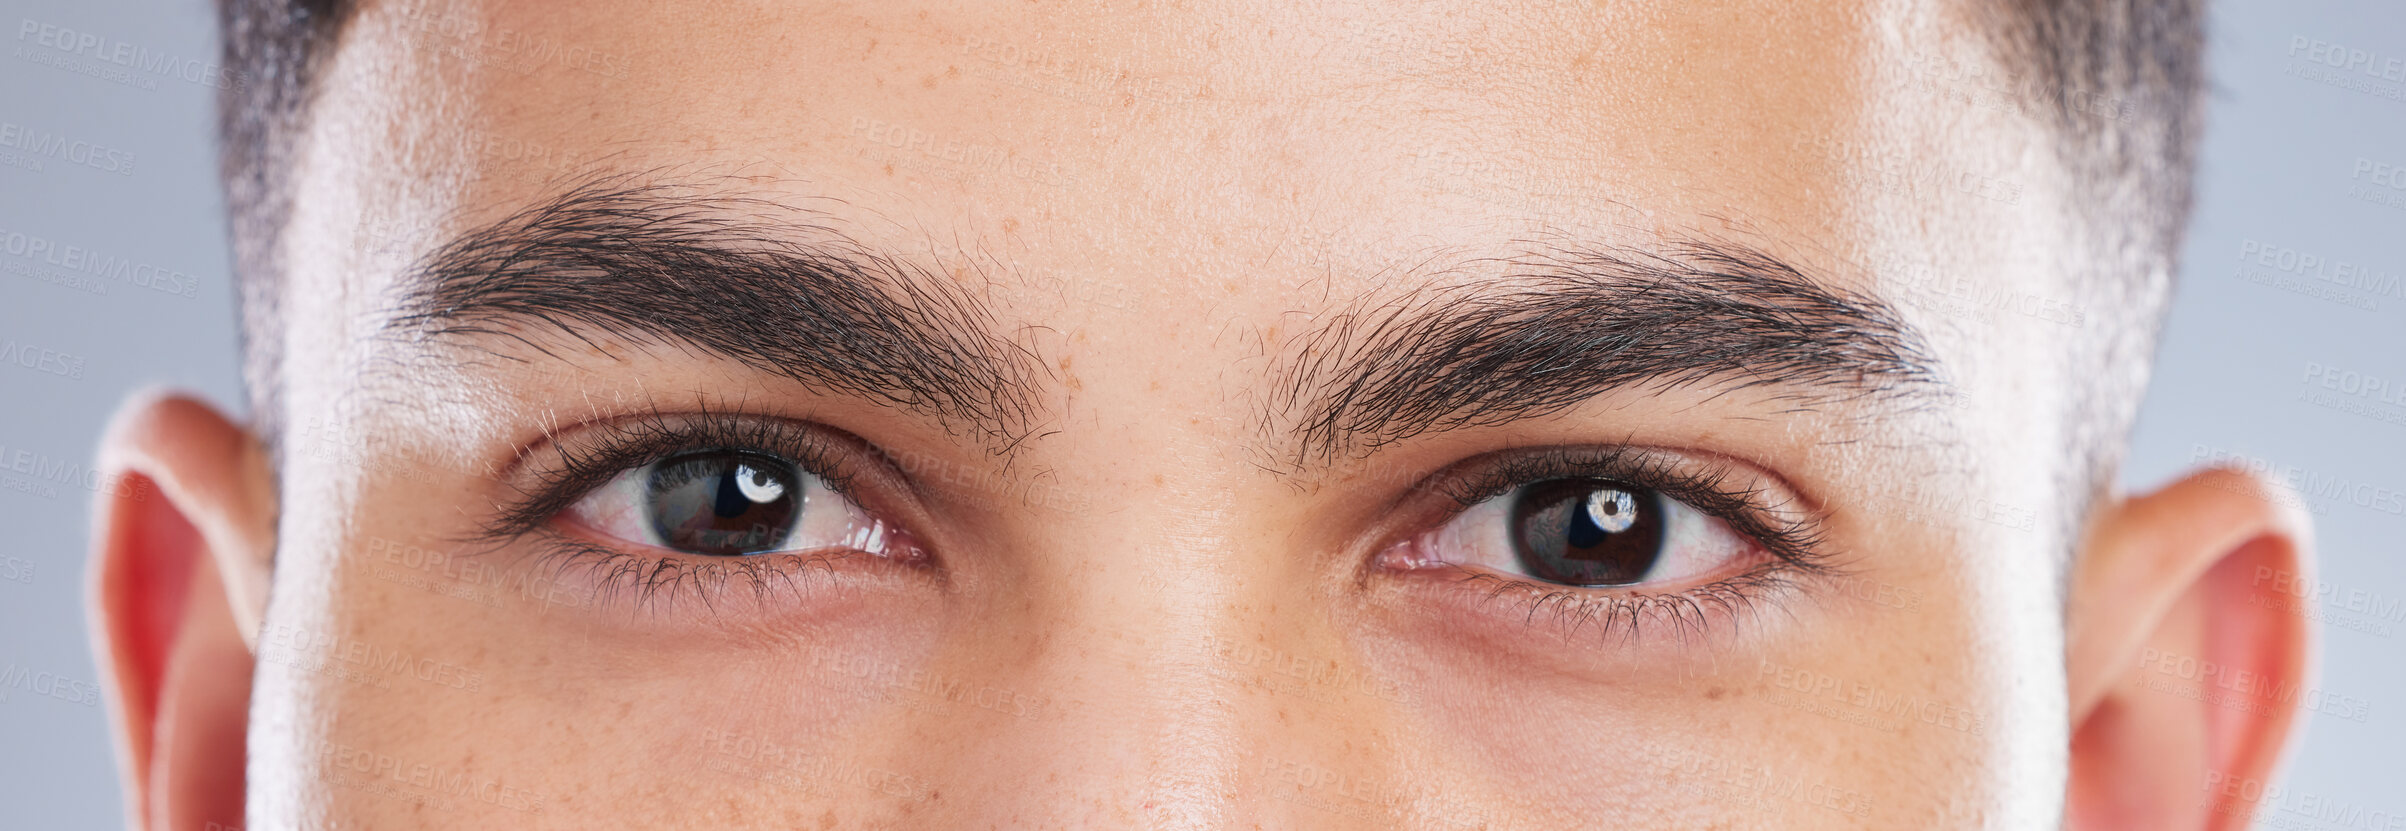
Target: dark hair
point(2122, 80)
point(277, 45)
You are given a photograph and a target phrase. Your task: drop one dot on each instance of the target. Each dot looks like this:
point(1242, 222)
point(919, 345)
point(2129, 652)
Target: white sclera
point(1694, 543)
point(827, 520)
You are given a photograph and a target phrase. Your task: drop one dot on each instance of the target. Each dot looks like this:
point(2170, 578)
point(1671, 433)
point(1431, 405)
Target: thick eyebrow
point(765, 284)
point(1567, 324)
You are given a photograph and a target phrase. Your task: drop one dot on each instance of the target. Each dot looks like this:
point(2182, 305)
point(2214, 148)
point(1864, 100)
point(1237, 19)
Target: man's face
point(1224, 414)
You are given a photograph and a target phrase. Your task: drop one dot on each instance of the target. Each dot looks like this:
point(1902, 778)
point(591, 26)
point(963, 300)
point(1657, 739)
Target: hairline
point(2138, 177)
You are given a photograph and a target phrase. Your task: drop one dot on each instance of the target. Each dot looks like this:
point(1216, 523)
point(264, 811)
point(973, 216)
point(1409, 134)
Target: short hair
point(277, 46)
point(2121, 80)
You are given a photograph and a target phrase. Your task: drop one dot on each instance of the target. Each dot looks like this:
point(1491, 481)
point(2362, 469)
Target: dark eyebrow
point(745, 278)
point(1566, 324)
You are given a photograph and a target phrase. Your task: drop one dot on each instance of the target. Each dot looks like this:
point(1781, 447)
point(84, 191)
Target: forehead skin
point(1160, 201)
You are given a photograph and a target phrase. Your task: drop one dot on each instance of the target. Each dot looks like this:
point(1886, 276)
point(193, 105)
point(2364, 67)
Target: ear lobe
point(2185, 666)
point(181, 542)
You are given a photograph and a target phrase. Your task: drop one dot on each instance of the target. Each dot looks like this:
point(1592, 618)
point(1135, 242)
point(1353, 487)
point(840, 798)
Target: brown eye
point(728, 503)
point(723, 502)
point(1587, 532)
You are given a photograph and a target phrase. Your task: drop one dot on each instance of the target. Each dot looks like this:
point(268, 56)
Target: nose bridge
point(1153, 728)
point(1153, 720)
point(1183, 673)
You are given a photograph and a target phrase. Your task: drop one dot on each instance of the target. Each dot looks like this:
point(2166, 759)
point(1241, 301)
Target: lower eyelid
point(1628, 617)
point(672, 590)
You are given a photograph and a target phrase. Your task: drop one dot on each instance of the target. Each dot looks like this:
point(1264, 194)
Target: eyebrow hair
point(779, 289)
point(765, 284)
point(1573, 323)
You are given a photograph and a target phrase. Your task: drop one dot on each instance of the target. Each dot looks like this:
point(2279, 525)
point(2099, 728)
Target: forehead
point(1107, 168)
point(1153, 131)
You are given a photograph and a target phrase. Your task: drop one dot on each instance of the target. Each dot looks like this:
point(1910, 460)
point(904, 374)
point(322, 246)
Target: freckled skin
point(1183, 188)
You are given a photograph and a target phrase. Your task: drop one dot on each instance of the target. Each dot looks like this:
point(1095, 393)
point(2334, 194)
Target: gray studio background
point(2303, 190)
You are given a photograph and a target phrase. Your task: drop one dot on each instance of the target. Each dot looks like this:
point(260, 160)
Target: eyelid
point(1623, 612)
point(618, 502)
point(1756, 503)
point(566, 465)
point(586, 456)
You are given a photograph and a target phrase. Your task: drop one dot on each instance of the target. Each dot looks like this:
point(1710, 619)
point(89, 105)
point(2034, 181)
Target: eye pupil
point(1587, 532)
point(757, 485)
point(1610, 510)
point(722, 502)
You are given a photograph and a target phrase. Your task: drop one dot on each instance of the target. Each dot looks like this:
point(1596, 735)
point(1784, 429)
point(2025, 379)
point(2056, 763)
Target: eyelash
point(1792, 537)
point(601, 451)
point(594, 454)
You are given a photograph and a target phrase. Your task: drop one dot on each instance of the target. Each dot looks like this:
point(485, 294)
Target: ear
point(2186, 659)
point(180, 551)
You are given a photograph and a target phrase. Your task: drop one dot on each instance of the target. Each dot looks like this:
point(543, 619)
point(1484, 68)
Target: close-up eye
point(1644, 528)
point(1586, 532)
point(727, 503)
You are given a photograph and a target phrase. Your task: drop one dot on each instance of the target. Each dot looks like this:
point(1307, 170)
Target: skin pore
point(1147, 344)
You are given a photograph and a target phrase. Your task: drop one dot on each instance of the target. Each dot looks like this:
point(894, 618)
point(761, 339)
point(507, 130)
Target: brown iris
point(723, 502)
point(1587, 532)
